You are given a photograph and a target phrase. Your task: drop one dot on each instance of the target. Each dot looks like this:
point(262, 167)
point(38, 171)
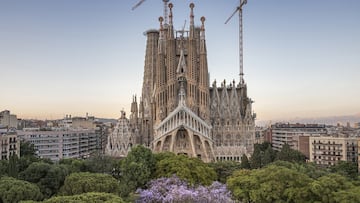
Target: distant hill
point(329, 120)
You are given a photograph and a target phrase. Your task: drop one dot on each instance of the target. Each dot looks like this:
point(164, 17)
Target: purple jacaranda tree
point(175, 190)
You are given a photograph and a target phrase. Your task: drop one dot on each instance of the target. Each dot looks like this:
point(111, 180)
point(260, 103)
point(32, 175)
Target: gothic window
point(228, 140)
point(218, 140)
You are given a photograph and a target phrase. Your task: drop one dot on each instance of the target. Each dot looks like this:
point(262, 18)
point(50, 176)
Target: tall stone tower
point(178, 110)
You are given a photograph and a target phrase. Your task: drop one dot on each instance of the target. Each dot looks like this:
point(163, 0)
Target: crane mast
point(239, 9)
point(165, 9)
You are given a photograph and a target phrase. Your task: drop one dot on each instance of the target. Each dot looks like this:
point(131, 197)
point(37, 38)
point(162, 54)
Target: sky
point(59, 57)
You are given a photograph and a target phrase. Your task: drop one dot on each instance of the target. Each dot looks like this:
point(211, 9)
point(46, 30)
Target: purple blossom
point(175, 190)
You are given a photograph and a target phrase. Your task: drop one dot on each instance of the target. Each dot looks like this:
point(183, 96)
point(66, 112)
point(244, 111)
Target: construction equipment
point(165, 9)
point(239, 9)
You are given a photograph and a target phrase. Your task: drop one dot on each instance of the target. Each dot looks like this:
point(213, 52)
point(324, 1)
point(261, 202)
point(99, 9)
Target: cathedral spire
point(171, 14)
point(192, 14)
point(192, 27)
point(202, 36)
point(181, 71)
point(161, 19)
point(202, 29)
point(171, 29)
point(161, 36)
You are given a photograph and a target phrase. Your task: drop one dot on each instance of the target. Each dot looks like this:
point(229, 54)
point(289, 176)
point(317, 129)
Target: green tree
point(240, 184)
point(309, 169)
point(13, 190)
point(193, 170)
point(27, 149)
point(263, 146)
point(350, 195)
point(83, 182)
point(346, 168)
point(224, 169)
point(270, 184)
point(291, 155)
point(136, 169)
point(269, 156)
point(53, 180)
point(25, 161)
point(48, 177)
point(245, 164)
point(324, 188)
point(74, 165)
point(163, 155)
point(84, 198)
point(13, 166)
point(99, 163)
point(255, 161)
point(4, 167)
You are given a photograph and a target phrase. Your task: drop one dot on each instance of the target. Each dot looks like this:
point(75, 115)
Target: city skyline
point(57, 58)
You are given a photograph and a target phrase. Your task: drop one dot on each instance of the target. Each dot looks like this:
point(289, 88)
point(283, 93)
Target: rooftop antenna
point(239, 8)
point(165, 9)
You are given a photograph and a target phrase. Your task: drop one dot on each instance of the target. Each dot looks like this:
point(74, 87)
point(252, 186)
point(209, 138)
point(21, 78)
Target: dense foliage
point(84, 198)
point(49, 177)
point(135, 170)
point(264, 154)
point(291, 182)
point(83, 182)
point(13, 190)
point(224, 169)
point(267, 176)
point(192, 170)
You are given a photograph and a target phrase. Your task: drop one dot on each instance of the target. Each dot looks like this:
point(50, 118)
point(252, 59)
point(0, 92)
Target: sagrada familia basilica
point(178, 110)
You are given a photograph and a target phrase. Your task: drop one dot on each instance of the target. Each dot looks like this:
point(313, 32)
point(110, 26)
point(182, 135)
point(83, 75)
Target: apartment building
point(295, 135)
point(61, 143)
point(327, 151)
point(10, 145)
point(8, 120)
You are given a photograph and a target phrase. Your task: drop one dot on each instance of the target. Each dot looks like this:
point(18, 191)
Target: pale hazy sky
point(57, 57)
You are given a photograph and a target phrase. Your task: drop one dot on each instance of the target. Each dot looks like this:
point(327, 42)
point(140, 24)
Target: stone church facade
point(178, 110)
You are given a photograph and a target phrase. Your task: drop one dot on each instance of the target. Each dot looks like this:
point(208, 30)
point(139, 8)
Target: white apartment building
point(61, 143)
point(291, 134)
point(327, 151)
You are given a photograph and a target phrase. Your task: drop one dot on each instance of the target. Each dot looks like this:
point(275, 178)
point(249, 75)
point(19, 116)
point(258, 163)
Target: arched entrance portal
point(182, 143)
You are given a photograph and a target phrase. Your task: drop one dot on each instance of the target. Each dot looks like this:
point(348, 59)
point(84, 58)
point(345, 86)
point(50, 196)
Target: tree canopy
point(83, 182)
point(224, 169)
point(49, 177)
point(269, 184)
point(84, 198)
point(346, 168)
point(14, 190)
point(136, 169)
point(192, 170)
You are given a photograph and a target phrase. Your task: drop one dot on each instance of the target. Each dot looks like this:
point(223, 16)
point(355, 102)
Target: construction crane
point(239, 9)
point(165, 9)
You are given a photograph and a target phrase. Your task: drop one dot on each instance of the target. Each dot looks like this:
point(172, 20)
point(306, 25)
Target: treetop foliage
point(192, 170)
point(84, 198)
point(84, 182)
point(284, 181)
point(14, 190)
